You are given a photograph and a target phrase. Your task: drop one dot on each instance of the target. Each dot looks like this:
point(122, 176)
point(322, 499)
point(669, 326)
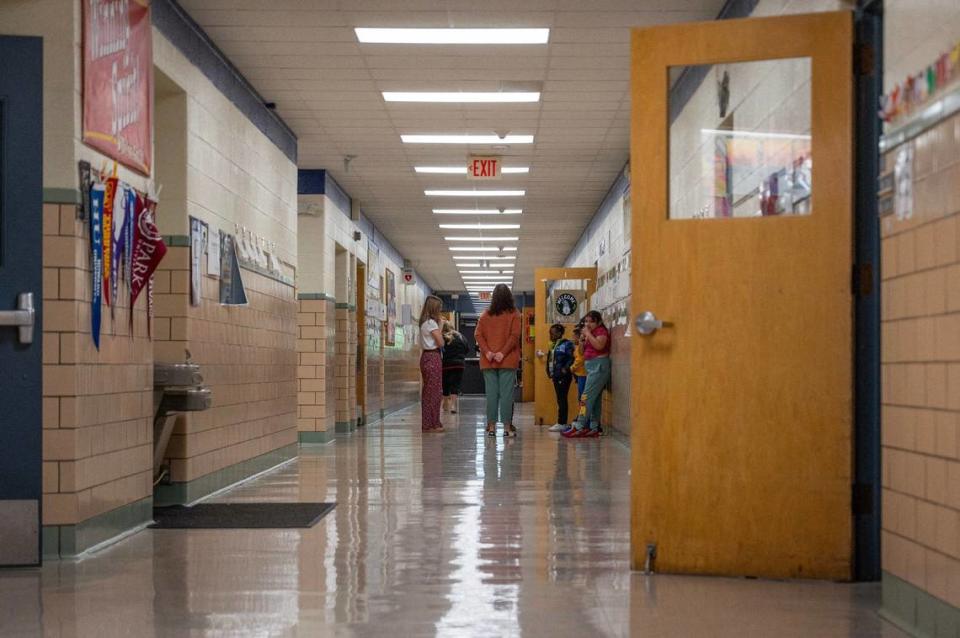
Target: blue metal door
point(21, 240)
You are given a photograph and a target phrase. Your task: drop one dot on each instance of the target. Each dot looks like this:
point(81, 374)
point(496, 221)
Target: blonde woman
point(431, 364)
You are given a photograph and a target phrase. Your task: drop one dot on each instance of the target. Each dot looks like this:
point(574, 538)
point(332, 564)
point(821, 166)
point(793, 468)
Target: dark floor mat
point(240, 515)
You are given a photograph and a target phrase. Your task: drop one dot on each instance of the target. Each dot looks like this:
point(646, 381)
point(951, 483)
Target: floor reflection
point(455, 534)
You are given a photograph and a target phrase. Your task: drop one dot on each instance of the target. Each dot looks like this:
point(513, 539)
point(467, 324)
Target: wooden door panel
point(743, 417)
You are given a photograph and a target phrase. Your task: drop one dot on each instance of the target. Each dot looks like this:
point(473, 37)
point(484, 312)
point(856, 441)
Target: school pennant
point(120, 206)
point(148, 249)
point(107, 235)
point(97, 193)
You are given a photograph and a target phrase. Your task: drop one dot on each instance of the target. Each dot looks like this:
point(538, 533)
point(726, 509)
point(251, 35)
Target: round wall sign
point(566, 304)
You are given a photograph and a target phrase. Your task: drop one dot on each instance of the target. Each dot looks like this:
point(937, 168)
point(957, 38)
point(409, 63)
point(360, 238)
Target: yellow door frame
point(545, 400)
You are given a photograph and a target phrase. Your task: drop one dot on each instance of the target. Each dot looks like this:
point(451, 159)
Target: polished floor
point(450, 534)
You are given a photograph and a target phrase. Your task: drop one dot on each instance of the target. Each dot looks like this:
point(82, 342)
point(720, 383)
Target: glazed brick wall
point(247, 355)
point(97, 405)
point(921, 372)
point(315, 383)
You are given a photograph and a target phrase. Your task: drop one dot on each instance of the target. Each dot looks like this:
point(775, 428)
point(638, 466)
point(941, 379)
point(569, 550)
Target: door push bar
point(24, 317)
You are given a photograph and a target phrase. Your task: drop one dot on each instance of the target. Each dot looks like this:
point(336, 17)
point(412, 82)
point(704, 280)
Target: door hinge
point(861, 280)
point(865, 59)
point(863, 499)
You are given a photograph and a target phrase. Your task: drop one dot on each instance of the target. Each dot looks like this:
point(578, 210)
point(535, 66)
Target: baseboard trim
point(917, 612)
point(190, 491)
point(307, 438)
point(69, 541)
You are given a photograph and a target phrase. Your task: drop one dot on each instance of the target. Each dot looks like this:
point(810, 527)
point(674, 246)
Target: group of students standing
point(586, 359)
point(498, 340)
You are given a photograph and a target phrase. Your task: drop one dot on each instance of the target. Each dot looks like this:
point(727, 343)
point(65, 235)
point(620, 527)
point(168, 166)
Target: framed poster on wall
point(118, 81)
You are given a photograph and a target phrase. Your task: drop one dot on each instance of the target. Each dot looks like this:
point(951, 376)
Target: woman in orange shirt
point(498, 335)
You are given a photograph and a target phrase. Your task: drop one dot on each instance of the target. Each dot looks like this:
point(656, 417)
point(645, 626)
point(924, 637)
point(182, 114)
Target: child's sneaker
point(571, 433)
point(557, 427)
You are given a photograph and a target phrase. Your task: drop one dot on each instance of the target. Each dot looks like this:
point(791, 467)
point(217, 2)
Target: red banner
point(118, 80)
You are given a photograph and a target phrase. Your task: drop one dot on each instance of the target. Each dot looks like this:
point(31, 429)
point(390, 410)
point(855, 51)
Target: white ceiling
point(304, 56)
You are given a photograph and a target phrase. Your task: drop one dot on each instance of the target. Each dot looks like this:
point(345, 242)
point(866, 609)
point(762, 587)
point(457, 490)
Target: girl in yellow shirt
point(578, 369)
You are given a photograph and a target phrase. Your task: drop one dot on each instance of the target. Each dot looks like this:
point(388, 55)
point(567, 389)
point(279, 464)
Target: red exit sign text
point(483, 168)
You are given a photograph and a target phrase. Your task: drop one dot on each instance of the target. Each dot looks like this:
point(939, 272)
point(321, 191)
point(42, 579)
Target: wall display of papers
point(627, 218)
point(373, 266)
point(390, 283)
point(232, 292)
point(213, 253)
point(198, 246)
point(376, 309)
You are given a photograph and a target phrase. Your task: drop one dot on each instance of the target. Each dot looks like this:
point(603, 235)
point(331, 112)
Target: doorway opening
point(169, 341)
point(562, 296)
point(361, 349)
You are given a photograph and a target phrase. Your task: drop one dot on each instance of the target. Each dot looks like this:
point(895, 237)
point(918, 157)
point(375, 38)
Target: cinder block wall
point(314, 376)
point(921, 348)
point(921, 377)
point(97, 405)
point(248, 357)
point(225, 172)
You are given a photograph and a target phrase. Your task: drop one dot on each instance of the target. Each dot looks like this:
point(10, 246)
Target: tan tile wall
point(97, 405)
point(313, 375)
point(346, 365)
point(921, 372)
point(247, 355)
point(401, 376)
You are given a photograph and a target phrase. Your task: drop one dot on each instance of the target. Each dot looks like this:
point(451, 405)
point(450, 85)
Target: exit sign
point(483, 167)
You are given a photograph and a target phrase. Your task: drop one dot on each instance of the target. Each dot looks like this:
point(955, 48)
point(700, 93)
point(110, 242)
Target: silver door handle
point(647, 323)
point(24, 317)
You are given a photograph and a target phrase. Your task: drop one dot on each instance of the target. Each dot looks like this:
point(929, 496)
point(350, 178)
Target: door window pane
point(740, 140)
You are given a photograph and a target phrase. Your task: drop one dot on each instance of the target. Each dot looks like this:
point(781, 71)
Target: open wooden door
point(742, 174)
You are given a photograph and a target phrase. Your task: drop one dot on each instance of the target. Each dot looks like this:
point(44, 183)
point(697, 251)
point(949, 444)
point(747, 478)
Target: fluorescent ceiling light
point(484, 97)
point(466, 139)
point(475, 249)
point(478, 238)
point(462, 170)
point(760, 134)
point(474, 193)
point(477, 211)
point(485, 278)
point(480, 226)
point(381, 35)
point(446, 170)
point(485, 257)
point(469, 265)
point(486, 272)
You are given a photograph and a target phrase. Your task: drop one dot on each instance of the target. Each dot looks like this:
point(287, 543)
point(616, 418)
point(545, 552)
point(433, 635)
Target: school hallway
point(452, 534)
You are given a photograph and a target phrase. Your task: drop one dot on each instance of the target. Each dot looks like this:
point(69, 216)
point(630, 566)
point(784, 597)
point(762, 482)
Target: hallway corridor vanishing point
point(449, 534)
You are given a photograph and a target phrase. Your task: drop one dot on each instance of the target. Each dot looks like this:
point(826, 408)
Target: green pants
point(598, 375)
point(498, 386)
